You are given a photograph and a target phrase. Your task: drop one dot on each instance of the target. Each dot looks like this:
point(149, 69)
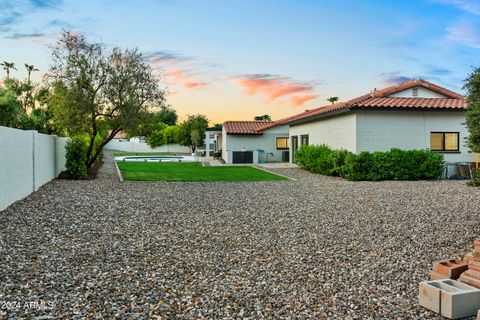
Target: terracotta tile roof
point(244, 127)
point(379, 99)
point(119, 135)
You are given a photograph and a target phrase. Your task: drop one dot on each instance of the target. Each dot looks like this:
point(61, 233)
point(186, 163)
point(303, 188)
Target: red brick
point(475, 265)
point(472, 257)
point(472, 274)
point(470, 281)
point(451, 268)
point(437, 276)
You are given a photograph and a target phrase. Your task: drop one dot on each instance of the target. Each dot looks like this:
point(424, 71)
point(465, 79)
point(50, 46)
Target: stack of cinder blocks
point(451, 298)
point(472, 275)
point(448, 269)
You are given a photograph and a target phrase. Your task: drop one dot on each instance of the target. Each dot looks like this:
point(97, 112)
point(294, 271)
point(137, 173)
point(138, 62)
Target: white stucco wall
point(383, 130)
point(129, 146)
point(265, 142)
point(337, 132)
point(422, 93)
point(27, 161)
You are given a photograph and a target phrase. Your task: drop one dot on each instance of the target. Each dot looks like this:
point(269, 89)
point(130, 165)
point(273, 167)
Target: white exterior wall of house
point(367, 130)
point(265, 142)
point(383, 130)
point(337, 132)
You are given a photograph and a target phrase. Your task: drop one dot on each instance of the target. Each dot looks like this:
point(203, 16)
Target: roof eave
point(319, 116)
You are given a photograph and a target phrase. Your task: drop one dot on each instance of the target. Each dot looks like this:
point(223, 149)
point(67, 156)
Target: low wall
point(28, 160)
point(128, 146)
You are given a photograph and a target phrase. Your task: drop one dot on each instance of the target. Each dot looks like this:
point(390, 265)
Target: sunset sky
point(232, 60)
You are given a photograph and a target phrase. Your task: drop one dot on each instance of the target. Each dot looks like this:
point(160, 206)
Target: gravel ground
point(316, 247)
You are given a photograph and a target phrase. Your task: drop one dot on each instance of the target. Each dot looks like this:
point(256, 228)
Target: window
point(282, 143)
point(444, 141)
point(415, 92)
point(304, 140)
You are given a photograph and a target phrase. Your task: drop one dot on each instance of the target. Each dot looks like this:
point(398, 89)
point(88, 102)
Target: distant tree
point(167, 115)
point(30, 68)
point(192, 131)
point(95, 89)
point(472, 87)
point(264, 117)
point(332, 100)
point(7, 66)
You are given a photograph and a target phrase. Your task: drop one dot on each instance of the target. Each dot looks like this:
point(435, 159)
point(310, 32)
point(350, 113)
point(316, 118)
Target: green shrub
point(321, 159)
point(395, 164)
point(475, 182)
point(76, 156)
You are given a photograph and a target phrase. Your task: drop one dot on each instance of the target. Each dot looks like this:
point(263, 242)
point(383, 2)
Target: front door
point(294, 147)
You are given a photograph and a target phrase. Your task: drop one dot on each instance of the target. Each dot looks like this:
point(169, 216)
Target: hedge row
point(395, 164)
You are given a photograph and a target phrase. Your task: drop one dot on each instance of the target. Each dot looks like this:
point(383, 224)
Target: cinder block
point(452, 268)
point(450, 298)
point(437, 276)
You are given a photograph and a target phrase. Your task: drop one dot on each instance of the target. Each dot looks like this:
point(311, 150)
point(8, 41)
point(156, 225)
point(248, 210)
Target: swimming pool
point(157, 159)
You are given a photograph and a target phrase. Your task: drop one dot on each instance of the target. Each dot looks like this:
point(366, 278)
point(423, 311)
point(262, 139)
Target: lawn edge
point(274, 173)
point(119, 173)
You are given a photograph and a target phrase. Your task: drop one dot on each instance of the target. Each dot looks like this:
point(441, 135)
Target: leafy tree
point(332, 100)
point(167, 115)
point(171, 134)
point(95, 88)
point(264, 117)
point(472, 86)
point(7, 66)
point(10, 107)
point(192, 131)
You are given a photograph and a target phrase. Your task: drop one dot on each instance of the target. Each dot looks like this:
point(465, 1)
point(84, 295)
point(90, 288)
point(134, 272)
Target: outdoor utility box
point(285, 156)
point(450, 298)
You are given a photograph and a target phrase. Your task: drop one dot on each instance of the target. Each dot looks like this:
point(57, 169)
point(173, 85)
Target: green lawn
point(192, 171)
point(125, 154)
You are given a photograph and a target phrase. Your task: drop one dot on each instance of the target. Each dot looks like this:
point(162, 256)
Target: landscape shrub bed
point(395, 164)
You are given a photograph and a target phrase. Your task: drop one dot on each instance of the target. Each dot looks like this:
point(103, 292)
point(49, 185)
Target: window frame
point(301, 140)
point(286, 139)
point(443, 133)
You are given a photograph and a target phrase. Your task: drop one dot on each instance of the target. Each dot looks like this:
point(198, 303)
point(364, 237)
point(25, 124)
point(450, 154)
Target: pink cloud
point(272, 87)
point(180, 78)
point(300, 100)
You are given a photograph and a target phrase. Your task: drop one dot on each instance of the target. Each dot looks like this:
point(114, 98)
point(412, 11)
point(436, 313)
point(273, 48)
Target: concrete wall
point(383, 130)
point(266, 142)
point(337, 132)
point(128, 146)
point(28, 160)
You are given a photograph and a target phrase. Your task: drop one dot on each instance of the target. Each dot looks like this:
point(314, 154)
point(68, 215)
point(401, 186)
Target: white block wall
point(128, 146)
point(28, 160)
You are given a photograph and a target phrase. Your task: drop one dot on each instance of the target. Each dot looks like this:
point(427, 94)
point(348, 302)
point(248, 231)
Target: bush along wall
point(395, 164)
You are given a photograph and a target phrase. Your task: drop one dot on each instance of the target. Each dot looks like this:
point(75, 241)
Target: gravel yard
point(315, 247)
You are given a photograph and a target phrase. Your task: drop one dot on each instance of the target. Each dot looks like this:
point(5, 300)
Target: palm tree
point(30, 69)
point(332, 99)
point(7, 66)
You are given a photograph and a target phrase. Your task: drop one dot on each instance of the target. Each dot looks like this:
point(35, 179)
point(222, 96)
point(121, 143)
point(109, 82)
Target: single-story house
point(415, 114)
point(249, 142)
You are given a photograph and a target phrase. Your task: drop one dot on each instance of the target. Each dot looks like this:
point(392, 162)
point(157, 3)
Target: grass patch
point(126, 154)
point(192, 171)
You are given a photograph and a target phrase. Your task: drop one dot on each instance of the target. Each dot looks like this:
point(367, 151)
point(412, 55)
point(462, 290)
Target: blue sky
point(236, 59)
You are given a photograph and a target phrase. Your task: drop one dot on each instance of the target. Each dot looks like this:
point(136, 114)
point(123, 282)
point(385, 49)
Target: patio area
point(311, 247)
